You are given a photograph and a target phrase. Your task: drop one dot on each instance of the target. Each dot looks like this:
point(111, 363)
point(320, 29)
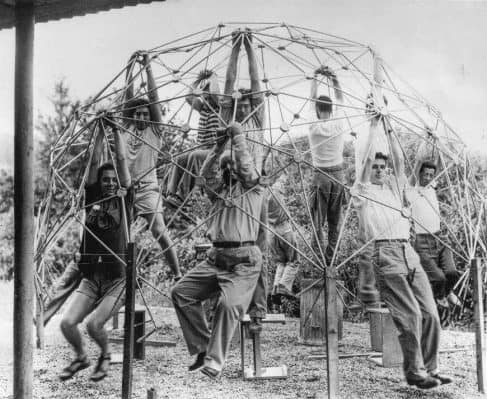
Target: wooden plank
point(148, 342)
point(128, 343)
point(276, 318)
point(481, 350)
point(331, 314)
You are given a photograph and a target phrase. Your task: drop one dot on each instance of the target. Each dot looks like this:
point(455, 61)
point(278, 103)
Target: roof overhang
point(51, 10)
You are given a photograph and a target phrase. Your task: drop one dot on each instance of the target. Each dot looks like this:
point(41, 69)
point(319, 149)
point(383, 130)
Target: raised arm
point(210, 169)
point(96, 157)
point(369, 154)
point(396, 151)
point(336, 87)
point(120, 153)
point(214, 90)
point(154, 105)
point(253, 69)
point(231, 75)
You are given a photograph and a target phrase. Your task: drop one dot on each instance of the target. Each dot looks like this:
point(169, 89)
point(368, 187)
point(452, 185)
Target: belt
point(393, 240)
point(233, 244)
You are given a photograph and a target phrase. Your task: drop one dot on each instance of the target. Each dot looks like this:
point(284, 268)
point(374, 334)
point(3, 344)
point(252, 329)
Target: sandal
point(101, 369)
point(76, 365)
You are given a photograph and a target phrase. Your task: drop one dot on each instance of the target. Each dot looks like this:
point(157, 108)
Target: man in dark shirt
point(108, 203)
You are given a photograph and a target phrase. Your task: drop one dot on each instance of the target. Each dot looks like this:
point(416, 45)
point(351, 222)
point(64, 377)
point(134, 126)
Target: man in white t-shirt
point(326, 139)
point(402, 282)
point(436, 257)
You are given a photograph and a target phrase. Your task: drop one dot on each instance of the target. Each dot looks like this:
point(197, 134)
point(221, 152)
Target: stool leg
point(115, 321)
point(257, 355)
point(242, 348)
point(139, 331)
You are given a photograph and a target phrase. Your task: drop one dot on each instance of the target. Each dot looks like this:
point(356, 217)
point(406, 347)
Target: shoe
point(198, 363)
point(255, 326)
point(444, 379)
point(425, 383)
point(76, 365)
point(453, 300)
point(210, 372)
point(101, 369)
point(282, 290)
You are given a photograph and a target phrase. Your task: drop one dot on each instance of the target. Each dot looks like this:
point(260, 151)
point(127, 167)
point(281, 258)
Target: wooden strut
point(481, 348)
point(128, 344)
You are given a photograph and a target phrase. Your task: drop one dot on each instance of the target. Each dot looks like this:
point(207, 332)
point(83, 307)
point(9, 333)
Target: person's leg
point(187, 296)
point(368, 293)
point(318, 205)
point(290, 256)
point(195, 162)
point(430, 332)
point(81, 304)
point(111, 301)
point(258, 303)
point(447, 264)
point(237, 288)
point(392, 273)
point(277, 277)
point(426, 248)
point(336, 198)
point(177, 171)
point(161, 234)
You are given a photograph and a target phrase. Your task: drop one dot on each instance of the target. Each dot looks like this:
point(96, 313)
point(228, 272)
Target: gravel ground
point(165, 369)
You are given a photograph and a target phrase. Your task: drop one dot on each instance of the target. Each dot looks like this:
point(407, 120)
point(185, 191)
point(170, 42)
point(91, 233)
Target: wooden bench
point(257, 371)
point(384, 338)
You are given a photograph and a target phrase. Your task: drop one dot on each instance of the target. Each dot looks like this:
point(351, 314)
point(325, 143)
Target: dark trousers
point(327, 197)
point(437, 261)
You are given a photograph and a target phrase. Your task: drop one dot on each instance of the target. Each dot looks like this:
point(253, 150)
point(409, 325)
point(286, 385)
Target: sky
point(437, 46)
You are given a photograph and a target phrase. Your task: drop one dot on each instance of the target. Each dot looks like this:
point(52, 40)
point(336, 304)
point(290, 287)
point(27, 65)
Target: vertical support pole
point(40, 323)
point(481, 349)
point(23, 201)
point(257, 355)
point(139, 332)
point(128, 338)
point(331, 314)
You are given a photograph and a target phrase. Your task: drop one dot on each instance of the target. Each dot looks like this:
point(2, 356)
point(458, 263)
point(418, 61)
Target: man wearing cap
point(233, 265)
point(402, 282)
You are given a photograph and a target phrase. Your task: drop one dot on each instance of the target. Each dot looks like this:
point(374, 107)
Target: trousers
point(231, 272)
point(405, 289)
point(437, 261)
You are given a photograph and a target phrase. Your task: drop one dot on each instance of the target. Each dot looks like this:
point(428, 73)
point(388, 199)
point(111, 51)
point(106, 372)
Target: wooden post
point(151, 393)
point(23, 201)
point(128, 338)
point(139, 331)
point(331, 313)
point(40, 322)
point(481, 350)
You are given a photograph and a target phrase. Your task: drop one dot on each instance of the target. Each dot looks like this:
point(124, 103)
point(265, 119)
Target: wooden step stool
point(139, 330)
point(257, 371)
point(384, 338)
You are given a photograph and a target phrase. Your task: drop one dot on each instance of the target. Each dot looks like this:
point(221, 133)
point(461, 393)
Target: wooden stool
point(257, 371)
point(312, 328)
point(384, 338)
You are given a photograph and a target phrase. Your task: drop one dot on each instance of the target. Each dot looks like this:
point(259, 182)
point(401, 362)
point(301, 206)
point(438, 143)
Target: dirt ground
point(165, 369)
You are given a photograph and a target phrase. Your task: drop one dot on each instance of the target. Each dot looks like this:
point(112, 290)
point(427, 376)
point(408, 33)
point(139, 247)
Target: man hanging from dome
point(143, 135)
point(326, 140)
point(233, 265)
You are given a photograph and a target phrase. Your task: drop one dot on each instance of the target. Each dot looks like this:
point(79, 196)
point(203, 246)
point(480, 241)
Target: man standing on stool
point(326, 139)
point(403, 284)
point(234, 263)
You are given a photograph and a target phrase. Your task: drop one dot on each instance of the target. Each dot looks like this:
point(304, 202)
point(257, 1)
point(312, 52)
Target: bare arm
point(154, 106)
point(369, 155)
point(253, 69)
point(396, 151)
point(210, 169)
point(96, 158)
point(337, 88)
point(214, 90)
point(121, 154)
point(244, 163)
point(231, 75)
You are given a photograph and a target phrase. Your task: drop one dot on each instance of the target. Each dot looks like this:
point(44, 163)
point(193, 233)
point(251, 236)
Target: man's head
point(324, 107)
point(244, 105)
point(140, 113)
point(107, 180)
point(427, 173)
point(212, 100)
point(379, 168)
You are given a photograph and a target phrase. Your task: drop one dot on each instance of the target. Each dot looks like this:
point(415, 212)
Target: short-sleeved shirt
point(380, 208)
point(108, 226)
point(326, 140)
point(142, 154)
point(208, 124)
point(425, 209)
point(253, 126)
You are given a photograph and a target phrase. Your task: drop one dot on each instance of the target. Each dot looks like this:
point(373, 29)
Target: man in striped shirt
point(188, 165)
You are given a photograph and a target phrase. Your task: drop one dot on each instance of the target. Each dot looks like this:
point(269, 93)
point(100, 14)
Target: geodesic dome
point(287, 56)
